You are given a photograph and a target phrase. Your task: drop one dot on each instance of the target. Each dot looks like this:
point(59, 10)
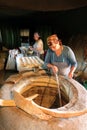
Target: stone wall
point(78, 44)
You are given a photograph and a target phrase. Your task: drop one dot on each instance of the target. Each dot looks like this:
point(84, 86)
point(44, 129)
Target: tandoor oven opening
point(48, 96)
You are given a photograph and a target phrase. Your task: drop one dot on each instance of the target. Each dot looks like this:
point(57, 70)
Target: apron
point(63, 66)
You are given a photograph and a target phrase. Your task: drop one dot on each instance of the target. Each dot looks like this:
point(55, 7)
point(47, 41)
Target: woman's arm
point(47, 59)
point(48, 63)
point(73, 62)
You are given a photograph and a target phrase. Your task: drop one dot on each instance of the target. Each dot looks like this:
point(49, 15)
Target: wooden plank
point(5, 103)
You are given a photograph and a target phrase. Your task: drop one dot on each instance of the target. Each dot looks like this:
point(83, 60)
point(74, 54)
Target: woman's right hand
point(53, 67)
point(30, 47)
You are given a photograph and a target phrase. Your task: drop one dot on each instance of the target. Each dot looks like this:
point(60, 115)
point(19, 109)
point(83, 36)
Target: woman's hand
point(30, 47)
point(70, 75)
point(53, 67)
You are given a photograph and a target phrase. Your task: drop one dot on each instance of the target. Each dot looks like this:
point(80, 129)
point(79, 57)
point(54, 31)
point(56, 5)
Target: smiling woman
point(59, 58)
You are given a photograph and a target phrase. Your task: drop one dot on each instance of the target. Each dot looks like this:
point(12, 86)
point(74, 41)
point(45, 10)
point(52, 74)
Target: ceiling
point(22, 7)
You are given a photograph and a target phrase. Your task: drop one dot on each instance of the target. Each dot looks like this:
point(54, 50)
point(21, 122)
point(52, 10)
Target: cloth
point(11, 62)
point(63, 62)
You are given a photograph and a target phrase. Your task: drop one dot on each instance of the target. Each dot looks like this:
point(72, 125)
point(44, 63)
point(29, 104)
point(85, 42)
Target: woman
point(38, 45)
point(60, 58)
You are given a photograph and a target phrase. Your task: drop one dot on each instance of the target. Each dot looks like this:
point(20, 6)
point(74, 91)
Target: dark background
point(65, 23)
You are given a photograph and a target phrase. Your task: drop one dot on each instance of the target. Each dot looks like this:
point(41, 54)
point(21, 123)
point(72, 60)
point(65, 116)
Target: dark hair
point(38, 34)
point(60, 42)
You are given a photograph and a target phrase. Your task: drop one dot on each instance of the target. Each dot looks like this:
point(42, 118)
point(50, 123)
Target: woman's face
point(36, 36)
point(54, 45)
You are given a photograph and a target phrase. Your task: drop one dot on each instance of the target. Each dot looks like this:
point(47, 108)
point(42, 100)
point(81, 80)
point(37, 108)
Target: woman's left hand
point(70, 75)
